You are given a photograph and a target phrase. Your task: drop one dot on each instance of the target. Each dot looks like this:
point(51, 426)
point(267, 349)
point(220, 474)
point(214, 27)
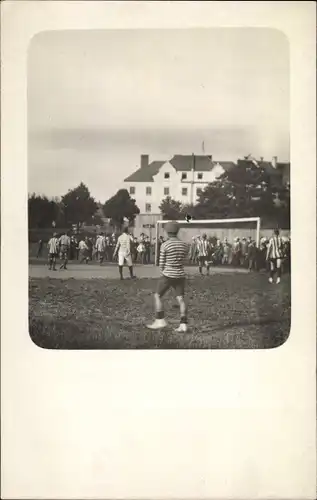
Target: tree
point(79, 206)
point(121, 206)
point(247, 190)
point(171, 209)
point(42, 211)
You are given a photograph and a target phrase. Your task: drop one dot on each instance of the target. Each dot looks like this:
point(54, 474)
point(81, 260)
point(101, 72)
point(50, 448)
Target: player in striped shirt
point(203, 251)
point(53, 246)
point(274, 255)
point(172, 259)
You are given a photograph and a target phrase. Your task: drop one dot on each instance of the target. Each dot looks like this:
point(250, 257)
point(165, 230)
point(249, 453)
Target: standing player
point(83, 251)
point(274, 255)
point(100, 248)
point(39, 249)
point(123, 248)
point(64, 243)
point(172, 258)
point(203, 250)
point(52, 245)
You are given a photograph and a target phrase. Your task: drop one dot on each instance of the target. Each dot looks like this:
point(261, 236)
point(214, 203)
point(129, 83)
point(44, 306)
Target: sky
point(97, 100)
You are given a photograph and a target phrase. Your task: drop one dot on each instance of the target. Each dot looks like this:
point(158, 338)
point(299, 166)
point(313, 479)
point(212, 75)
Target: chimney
point(144, 161)
point(274, 161)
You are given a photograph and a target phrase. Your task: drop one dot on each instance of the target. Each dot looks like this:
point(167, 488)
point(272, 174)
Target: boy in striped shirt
point(203, 252)
point(172, 259)
point(274, 255)
point(53, 246)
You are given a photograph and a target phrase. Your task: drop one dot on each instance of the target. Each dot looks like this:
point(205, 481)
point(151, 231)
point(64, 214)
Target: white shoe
point(278, 281)
point(182, 328)
point(270, 280)
point(158, 324)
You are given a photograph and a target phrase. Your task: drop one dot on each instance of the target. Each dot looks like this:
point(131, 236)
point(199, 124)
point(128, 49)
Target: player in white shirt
point(64, 243)
point(100, 247)
point(53, 246)
point(83, 251)
point(123, 249)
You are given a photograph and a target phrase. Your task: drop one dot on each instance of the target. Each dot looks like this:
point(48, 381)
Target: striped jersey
point(202, 247)
point(172, 258)
point(124, 244)
point(53, 245)
point(275, 248)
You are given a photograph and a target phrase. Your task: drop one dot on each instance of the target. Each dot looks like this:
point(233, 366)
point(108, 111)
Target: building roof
point(184, 163)
point(145, 174)
point(203, 163)
point(181, 163)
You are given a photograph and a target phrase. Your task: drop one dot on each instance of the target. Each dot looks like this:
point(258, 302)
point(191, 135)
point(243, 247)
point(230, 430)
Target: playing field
point(87, 307)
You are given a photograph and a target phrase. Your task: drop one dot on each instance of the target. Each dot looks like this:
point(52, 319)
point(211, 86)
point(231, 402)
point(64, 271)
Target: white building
point(182, 178)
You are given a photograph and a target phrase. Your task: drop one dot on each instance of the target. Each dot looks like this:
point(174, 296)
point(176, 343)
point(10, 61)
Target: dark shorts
point(178, 284)
point(64, 252)
point(53, 255)
point(274, 261)
point(202, 259)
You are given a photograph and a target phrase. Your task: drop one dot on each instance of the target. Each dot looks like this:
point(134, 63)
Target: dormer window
point(166, 175)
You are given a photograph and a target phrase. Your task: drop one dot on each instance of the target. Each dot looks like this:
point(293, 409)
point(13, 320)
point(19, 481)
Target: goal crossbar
point(201, 222)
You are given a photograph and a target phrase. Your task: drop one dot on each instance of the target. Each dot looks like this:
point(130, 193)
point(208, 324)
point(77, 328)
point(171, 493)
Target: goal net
point(213, 228)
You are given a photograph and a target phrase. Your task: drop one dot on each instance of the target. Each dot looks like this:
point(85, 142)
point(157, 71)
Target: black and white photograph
point(159, 189)
point(158, 223)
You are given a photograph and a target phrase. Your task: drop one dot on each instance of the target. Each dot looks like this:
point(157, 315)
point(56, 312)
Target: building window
point(148, 190)
point(199, 191)
point(184, 176)
point(166, 191)
point(200, 176)
point(132, 190)
point(166, 175)
point(148, 207)
point(184, 191)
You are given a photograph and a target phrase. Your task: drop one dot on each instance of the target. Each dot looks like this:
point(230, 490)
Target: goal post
point(252, 227)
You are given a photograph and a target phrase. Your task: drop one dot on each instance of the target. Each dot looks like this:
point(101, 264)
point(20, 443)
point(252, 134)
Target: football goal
point(243, 227)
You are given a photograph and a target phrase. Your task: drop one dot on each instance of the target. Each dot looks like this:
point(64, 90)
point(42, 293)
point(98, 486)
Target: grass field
point(226, 311)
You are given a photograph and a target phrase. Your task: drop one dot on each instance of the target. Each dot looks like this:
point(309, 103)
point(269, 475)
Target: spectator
point(147, 252)
point(83, 251)
point(226, 248)
point(236, 252)
point(251, 256)
point(134, 251)
point(244, 253)
point(141, 252)
point(217, 254)
point(39, 249)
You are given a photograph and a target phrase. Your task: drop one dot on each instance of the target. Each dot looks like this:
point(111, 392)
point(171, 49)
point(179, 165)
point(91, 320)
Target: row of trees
point(246, 191)
point(78, 207)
